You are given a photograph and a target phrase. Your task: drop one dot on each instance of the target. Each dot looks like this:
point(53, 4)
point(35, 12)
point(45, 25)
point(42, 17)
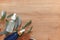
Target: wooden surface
point(45, 15)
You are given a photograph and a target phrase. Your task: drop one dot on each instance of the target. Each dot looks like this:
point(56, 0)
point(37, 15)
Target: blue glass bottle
point(13, 36)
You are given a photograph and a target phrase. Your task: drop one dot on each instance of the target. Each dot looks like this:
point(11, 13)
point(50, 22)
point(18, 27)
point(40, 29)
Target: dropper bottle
point(11, 24)
point(15, 35)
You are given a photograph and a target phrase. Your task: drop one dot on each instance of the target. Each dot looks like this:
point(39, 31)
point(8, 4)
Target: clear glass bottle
point(11, 24)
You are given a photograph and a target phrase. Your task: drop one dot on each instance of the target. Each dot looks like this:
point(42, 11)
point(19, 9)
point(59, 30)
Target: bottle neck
point(19, 33)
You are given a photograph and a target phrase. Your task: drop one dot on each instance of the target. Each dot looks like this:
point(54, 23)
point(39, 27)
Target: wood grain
point(45, 15)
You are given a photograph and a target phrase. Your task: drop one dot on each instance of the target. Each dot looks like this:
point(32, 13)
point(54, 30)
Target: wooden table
point(45, 16)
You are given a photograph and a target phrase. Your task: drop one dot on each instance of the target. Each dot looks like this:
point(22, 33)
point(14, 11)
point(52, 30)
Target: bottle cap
point(14, 16)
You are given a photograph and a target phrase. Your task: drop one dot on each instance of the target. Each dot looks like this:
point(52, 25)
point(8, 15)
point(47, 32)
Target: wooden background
point(45, 15)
